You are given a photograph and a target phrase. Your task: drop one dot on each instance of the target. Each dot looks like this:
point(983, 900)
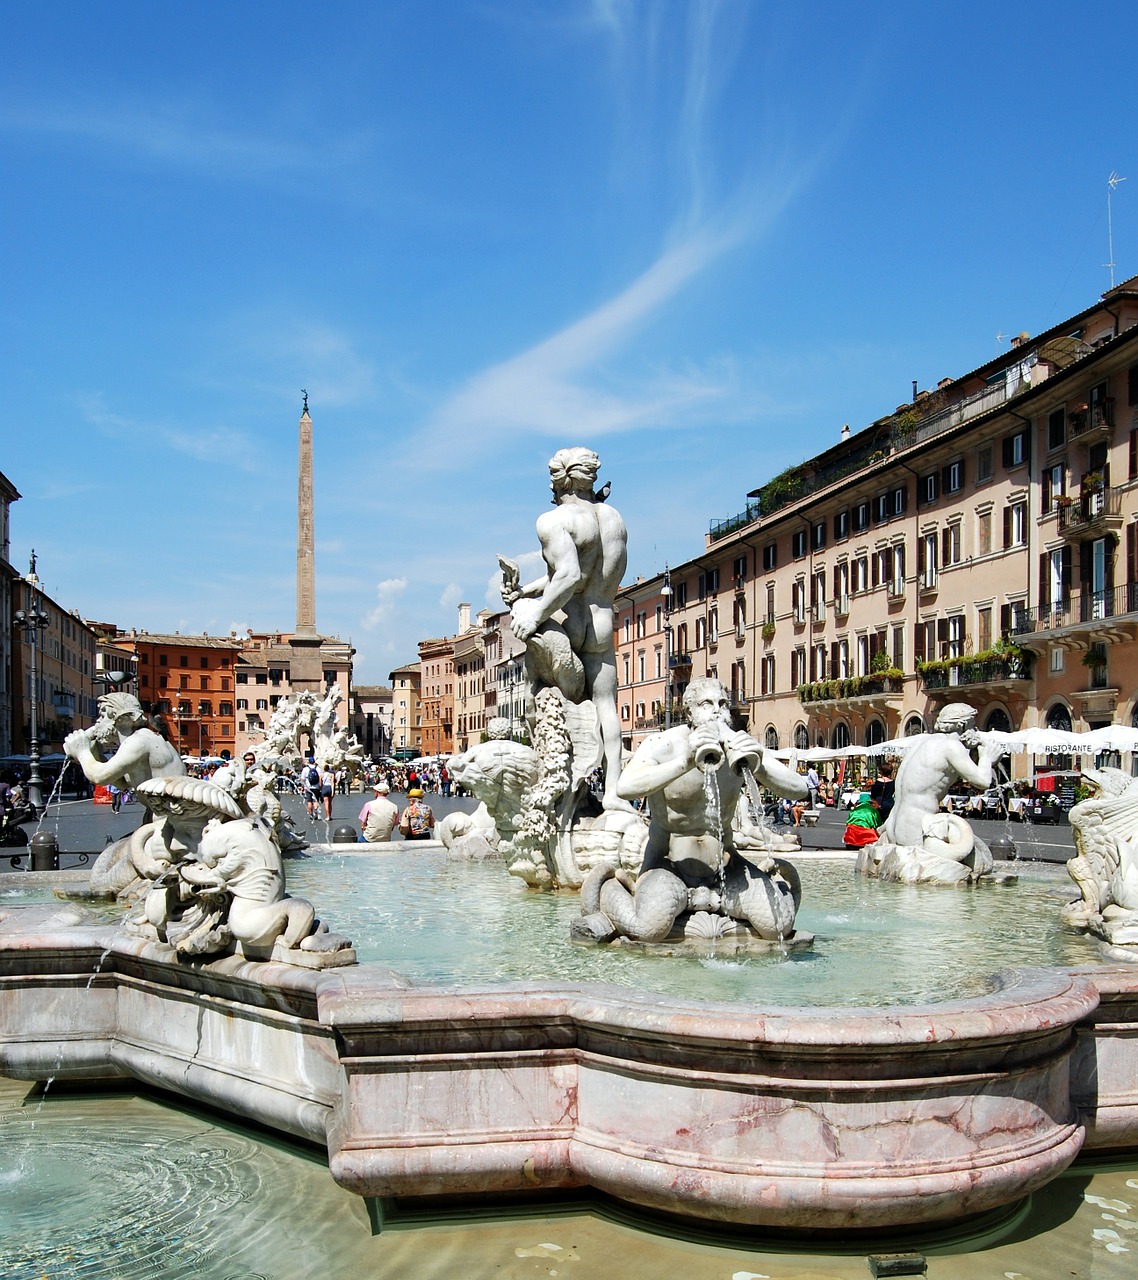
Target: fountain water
point(730, 1108)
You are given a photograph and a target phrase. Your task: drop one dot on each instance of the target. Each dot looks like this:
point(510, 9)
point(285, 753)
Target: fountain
point(746, 1112)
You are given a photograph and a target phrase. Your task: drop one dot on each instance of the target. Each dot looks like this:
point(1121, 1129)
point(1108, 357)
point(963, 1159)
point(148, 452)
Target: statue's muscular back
point(601, 540)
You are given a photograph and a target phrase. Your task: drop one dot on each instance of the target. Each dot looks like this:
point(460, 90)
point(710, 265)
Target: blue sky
point(696, 237)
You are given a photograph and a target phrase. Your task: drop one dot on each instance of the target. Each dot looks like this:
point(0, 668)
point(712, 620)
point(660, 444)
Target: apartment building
point(8, 494)
point(470, 667)
point(506, 686)
point(436, 695)
point(406, 717)
point(646, 652)
point(977, 544)
point(371, 718)
point(189, 681)
point(64, 689)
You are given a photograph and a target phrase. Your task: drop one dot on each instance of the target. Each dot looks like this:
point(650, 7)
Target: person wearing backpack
point(311, 787)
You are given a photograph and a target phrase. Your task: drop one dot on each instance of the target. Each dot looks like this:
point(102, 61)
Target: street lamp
point(32, 619)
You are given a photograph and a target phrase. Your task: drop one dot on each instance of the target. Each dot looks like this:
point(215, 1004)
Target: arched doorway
point(1059, 717)
point(801, 738)
point(998, 721)
point(770, 739)
point(840, 738)
point(914, 726)
point(874, 733)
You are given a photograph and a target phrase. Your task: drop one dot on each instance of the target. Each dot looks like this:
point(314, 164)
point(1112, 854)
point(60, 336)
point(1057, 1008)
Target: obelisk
point(305, 667)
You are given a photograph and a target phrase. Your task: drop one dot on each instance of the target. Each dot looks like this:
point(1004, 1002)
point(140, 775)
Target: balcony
point(878, 686)
point(679, 661)
point(841, 606)
point(740, 582)
point(1095, 511)
point(818, 611)
point(1088, 426)
point(928, 581)
point(1110, 615)
point(895, 591)
point(1002, 670)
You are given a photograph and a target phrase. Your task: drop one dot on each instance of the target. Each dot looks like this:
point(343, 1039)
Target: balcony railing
point(1090, 509)
point(869, 686)
point(679, 660)
point(955, 673)
point(928, 580)
point(841, 606)
point(1090, 606)
point(895, 589)
point(1097, 418)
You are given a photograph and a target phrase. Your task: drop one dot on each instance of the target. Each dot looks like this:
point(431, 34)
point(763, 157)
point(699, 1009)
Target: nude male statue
point(584, 546)
point(138, 753)
point(930, 770)
point(681, 869)
point(666, 769)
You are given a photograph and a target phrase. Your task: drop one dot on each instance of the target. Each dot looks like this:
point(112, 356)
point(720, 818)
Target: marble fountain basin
point(740, 1110)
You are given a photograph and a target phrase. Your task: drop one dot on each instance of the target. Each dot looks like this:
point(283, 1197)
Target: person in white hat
point(378, 817)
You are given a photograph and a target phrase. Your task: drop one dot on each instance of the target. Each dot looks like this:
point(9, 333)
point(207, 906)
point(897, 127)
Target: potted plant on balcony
point(1092, 482)
point(768, 631)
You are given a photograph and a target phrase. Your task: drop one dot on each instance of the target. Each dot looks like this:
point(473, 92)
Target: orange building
point(189, 682)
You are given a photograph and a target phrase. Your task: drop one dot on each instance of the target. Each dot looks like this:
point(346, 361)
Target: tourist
point(813, 782)
point(417, 822)
point(378, 817)
point(864, 820)
point(311, 787)
point(327, 787)
point(888, 790)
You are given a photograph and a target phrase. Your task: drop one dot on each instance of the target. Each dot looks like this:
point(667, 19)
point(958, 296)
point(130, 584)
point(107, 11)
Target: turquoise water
point(876, 944)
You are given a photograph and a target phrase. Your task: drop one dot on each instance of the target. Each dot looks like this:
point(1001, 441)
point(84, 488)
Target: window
point(712, 581)
point(952, 477)
point(242, 704)
point(681, 589)
point(203, 661)
point(770, 556)
point(640, 665)
point(984, 464)
point(739, 569)
point(899, 499)
point(798, 599)
point(953, 636)
point(842, 587)
point(203, 682)
point(628, 629)
point(641, 625)
point(881, 508)
point(798, 544)
point(927, 561)
point(659, 662)
point(1057, 429)
point(262, 704)
point(984, 628)
point(927, 488)
point(163, 660)
point(841, 526)
point(766, 674)
point(1056, 660)
point(659, 617)
point(184, 660)
point(242, 677)
point(1015, 449)
point(818, 536)
point(950, 545)
point(1015, 525)
point(224, 684)
point(770, 603)
point(861, 517)
point(818, 595)
point(739, 616)
point(860, 581)
point(713, 626)
point(163, 681)
point(984, 532)
point(183, 682)
point(1054, 485)
point(205, 708)
point(700, 632)
point(798, 666)
point(899, 647)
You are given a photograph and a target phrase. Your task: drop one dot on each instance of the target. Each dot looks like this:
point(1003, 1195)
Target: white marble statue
point(694, 868)
point(1105, 867)
point(216, 881)
point(303, 718)
point(565, 617)
point(920, 843)
point(121, 750)
point(498, 773)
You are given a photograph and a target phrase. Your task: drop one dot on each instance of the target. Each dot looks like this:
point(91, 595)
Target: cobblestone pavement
point(81, 826)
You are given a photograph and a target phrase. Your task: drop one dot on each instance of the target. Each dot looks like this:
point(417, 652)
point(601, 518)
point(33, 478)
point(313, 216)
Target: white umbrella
point(1113, 737)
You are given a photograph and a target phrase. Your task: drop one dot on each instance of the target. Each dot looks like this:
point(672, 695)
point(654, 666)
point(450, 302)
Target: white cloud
point(387, 594)
point(203, 443)
point(451, 596)
point(178, 135)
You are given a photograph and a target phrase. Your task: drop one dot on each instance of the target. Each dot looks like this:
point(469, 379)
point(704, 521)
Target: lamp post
point(666, 592)
point(32, 619)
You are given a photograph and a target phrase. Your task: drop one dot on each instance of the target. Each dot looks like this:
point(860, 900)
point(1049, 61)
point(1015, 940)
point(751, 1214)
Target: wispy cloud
point(202, 442)
point(451, 596)
point(388, 594)
point(174, 135)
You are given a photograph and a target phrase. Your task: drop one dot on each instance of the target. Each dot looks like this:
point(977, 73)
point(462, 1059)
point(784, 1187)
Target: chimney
point(463, 618)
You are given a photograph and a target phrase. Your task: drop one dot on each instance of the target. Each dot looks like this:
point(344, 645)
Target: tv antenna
point(1111, 187)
